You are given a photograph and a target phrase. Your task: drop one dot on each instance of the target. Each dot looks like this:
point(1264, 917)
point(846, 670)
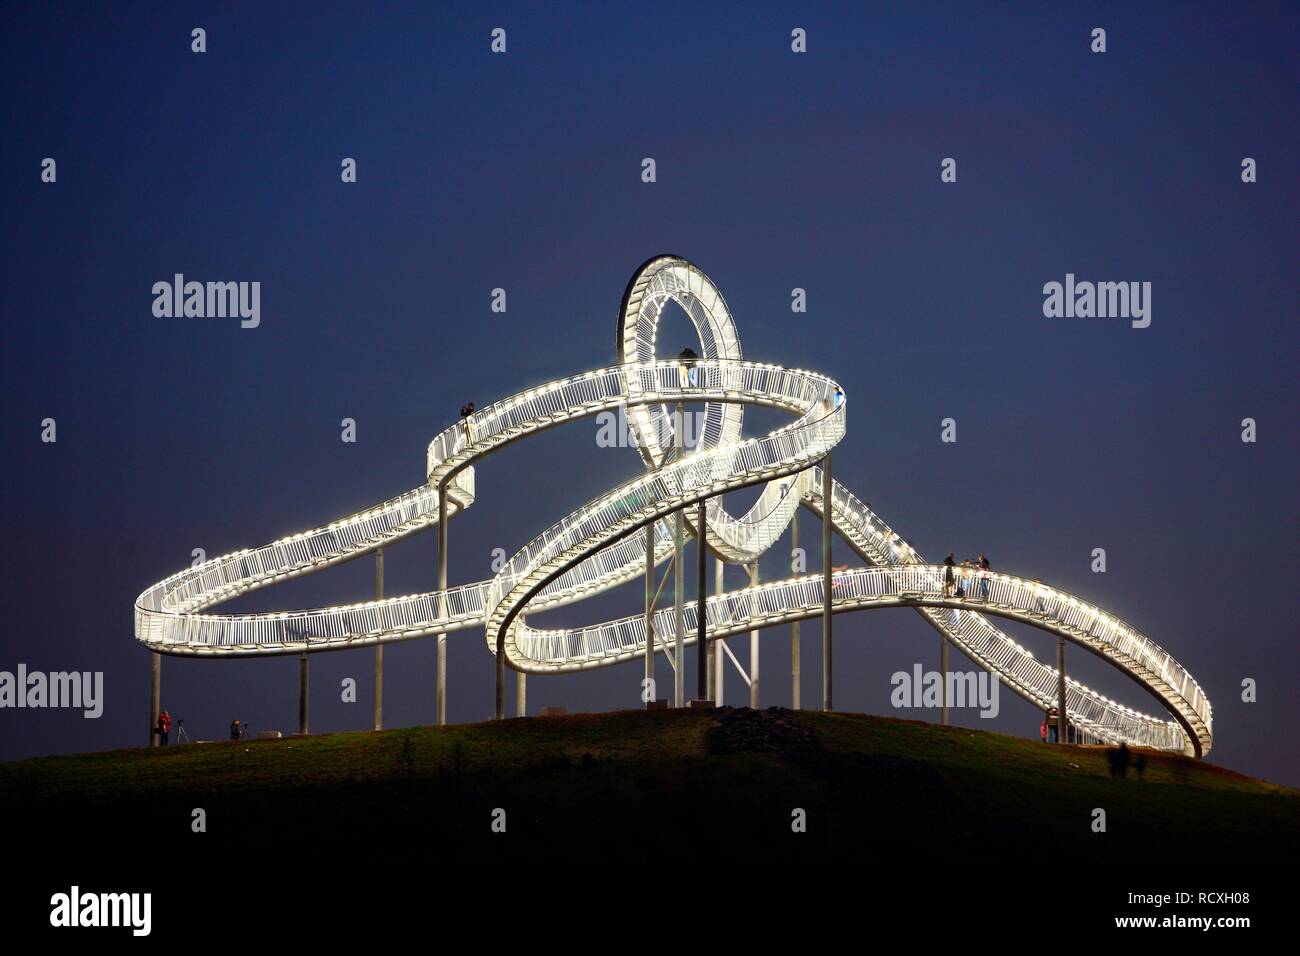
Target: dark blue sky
point(522, 171)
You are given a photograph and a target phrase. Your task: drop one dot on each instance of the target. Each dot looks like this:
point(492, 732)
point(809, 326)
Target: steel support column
point(1062, 723)
point(442, 602)
point(648, 694)
point(379, 648)
point(501, 685)
point(304, 688)
point(701, 608)
point(155, 697)
point(943, 673)
point(753, 646)
point(719, 652)
point(795, 660)
point(679, 619)
point(827, 583)
point(711, 685)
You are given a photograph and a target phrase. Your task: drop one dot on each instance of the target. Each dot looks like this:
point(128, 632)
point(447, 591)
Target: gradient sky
point(522, 171)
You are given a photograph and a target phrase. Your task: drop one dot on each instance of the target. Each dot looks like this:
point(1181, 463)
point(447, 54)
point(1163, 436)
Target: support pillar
point(827, 521)
point(943, 673)
point(719, 654)
point(753, 646)
point(379, 648)
point(1062, 722)
point(501, 684)
point(521, 694)
point(155, 697)
point(711, 684)
point(701, 609)
point(442, 603)
point(647, 693)
point(679, 672)
point(304, 686)
point(795, 656)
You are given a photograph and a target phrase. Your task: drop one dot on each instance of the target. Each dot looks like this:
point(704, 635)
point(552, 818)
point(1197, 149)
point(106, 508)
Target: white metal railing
point(167, 614)
point(781, 602)
point(782, 452)
point(1035, 680)
point(602, 544)
point(220, 578)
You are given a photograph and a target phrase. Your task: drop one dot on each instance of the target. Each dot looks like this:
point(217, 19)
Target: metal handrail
point(602, 544)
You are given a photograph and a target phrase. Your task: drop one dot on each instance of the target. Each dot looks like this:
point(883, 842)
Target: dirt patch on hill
point(772, 731)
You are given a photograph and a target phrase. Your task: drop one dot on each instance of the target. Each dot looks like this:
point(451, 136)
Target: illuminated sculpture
point(604, 543)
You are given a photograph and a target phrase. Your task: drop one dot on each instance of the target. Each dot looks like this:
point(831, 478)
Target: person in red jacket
point(164, 727)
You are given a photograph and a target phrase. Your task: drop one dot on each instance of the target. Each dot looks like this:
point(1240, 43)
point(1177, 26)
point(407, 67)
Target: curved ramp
point(602, 544)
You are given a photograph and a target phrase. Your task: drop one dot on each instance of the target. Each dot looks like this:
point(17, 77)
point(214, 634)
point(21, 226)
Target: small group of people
point(1120, 757)
point(163, 728)
point(1048, 729)
point(961, 580)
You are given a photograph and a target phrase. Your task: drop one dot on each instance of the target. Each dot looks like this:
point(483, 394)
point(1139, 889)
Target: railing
point(781, 602)
point(223, 577)
point(394, 618)
point(603, 543)
point(167, 614)
point(782, 452)
point(1034, 680)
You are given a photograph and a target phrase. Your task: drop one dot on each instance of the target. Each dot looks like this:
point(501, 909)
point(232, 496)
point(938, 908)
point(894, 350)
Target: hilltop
point(625, 786)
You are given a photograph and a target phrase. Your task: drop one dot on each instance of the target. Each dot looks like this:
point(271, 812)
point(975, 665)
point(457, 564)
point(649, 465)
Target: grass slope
point(630, 786)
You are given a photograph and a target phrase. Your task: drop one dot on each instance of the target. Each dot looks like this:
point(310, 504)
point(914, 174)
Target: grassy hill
point(624, 787)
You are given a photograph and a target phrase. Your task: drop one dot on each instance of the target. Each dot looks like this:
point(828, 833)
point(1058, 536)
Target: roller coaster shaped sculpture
point(603, 543)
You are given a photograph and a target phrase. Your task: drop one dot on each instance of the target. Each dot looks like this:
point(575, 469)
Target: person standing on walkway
point(948, 564)
point(966, 584)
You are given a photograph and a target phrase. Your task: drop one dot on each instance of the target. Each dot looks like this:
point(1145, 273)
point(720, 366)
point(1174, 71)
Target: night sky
point(523, 171)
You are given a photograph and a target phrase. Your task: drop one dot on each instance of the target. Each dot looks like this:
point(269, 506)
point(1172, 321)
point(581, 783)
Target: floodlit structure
point(626, 532)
